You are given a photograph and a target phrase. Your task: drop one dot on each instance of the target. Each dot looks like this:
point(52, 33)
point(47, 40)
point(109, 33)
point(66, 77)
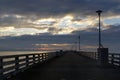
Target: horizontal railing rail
point(114, 59)
point(12, 64)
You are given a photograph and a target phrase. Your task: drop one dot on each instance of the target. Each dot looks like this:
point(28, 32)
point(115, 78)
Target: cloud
point(55, 16)
point(89, 40)
point(63, 25)
point(57, 7)
point(47, 22)
point(57, 22)
point(11, 31)
point(11, 20)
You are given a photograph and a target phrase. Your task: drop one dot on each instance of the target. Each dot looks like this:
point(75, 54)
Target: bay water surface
point(4, 53)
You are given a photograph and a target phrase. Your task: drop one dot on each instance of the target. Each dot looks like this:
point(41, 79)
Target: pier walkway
point(70, 66)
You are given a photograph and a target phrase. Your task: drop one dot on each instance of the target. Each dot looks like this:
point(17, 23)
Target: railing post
point(27, 60)
point(42, 57)
point(16, 63)
point(45, 56)
point(1, 68)
point(112, 59)
point(33, 58)
point(119, 59)
point(38, 57)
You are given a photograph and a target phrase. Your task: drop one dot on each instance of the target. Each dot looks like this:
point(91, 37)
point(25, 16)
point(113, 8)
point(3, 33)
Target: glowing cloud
point(11, 31)
point(16, 25)
point(5, 29)
point(48, 21)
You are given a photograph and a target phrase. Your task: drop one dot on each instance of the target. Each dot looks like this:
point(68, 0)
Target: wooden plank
point(8, 63)
point(23, 64)
point(30, 58)
point(21, 60)
point(9, 68)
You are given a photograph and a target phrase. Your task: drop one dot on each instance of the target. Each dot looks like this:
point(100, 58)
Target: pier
point(67, 65)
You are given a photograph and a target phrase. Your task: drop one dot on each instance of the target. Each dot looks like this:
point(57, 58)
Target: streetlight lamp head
point(99, 11)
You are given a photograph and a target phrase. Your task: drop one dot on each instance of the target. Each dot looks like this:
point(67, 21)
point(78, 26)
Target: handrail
point(114, 59)
point(12, 64)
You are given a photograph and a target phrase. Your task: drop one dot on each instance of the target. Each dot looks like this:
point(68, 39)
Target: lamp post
point(99, 14)
point(102, 52)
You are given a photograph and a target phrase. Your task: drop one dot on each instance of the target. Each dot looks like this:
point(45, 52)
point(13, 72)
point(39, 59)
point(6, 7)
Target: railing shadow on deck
point(13, 64)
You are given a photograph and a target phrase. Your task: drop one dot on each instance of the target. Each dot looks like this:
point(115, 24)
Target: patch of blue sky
point(79, 25)
point(112, 21)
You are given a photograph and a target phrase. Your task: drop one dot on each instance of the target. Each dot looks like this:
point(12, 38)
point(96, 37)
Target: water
point(3, 53)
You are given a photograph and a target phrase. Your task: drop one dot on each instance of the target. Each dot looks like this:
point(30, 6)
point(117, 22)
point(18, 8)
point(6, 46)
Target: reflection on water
point(2, 53)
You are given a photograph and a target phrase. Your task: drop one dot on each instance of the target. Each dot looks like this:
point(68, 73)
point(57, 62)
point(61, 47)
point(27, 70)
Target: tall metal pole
point(79, 43)
point(99, 14)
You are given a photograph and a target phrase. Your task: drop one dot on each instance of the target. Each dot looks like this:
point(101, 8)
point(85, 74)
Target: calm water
point(2, 53)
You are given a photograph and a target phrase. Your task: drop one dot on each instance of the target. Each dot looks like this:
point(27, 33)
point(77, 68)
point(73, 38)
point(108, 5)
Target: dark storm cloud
point(8, 20)
point(27, 41)
point(58, 7)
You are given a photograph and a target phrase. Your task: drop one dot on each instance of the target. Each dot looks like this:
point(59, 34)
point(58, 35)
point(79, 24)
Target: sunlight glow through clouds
point(5, 29)
point(53, 25)
point(44, 21)
point(11, 31)
point(67, 30)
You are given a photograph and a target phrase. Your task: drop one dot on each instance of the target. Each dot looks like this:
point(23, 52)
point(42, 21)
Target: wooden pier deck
point(70, 66)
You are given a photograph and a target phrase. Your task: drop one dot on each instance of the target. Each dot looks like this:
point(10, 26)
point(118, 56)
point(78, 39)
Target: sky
point(56, 24)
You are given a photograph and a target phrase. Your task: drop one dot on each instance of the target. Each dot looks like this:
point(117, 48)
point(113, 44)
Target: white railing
point(12, 64)
point(114, 59)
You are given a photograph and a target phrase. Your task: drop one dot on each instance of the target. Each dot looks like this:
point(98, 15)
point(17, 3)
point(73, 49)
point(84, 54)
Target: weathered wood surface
point(69, 67)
